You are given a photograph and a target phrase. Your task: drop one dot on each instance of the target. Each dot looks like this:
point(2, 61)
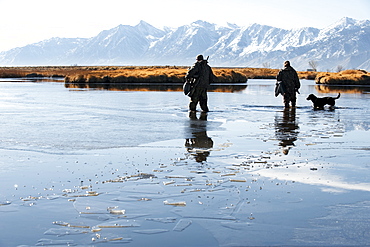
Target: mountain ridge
point(344, 43)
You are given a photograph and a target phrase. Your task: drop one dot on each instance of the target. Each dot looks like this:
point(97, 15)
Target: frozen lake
point(85, 167)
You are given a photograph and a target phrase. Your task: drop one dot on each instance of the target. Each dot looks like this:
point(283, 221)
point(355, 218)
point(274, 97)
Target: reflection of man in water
point(286, 129)
point(200, 143)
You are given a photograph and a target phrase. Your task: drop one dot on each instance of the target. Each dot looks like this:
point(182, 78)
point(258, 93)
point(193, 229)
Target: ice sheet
point(93, 167)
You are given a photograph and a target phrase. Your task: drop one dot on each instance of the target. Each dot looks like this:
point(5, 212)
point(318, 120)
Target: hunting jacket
point(202, 73)
point(290, 79)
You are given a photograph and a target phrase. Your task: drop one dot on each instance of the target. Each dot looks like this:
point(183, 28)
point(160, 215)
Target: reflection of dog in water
point(319, 103)
point(200, 144)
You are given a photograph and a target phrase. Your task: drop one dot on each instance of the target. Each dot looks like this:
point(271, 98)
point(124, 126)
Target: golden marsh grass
point(346, 77)
point(122, 74)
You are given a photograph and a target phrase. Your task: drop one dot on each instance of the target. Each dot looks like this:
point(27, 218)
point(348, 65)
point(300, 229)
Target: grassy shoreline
point(132, 74)
point(173, 74)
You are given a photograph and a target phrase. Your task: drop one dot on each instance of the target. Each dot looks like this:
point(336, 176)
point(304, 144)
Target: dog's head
point(311, 97)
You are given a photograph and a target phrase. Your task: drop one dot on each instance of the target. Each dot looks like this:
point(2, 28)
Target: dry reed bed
point(149, 75)
point(346, 77)
point(121, 74)
point(39, 71)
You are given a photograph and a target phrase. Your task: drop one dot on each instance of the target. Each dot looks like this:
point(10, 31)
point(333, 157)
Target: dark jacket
point(202, 73)
point(289, 77)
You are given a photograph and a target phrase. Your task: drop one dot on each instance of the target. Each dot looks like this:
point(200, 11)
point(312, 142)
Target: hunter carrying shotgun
point(288, 84)
point(200, 76)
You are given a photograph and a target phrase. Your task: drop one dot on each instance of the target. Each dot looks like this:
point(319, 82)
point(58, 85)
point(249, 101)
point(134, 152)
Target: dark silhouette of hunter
point(288, 77)
point(201, 76)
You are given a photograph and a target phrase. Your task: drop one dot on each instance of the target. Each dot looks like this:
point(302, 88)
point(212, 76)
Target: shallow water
point(106, 168)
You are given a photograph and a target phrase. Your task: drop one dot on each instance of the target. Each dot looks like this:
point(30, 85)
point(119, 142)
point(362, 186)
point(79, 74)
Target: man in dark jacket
point(290, 82)
point(201, 74)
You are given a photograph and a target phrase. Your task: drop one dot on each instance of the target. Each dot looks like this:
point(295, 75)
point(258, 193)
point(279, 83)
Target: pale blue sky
point(28, 21)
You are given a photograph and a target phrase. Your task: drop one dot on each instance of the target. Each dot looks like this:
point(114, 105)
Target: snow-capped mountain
point(345, 43)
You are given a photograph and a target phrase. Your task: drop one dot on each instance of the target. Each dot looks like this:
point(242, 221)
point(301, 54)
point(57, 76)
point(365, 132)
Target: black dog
point(318, 103)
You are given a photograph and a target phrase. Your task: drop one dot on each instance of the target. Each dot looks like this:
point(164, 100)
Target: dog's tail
point(337, 96)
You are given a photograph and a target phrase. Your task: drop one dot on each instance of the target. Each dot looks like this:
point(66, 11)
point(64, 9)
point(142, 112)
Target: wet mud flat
point(103, 168)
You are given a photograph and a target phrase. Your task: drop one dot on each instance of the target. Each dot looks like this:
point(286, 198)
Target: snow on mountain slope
point(345, 43)
point(117, 45)
point(50, 51)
